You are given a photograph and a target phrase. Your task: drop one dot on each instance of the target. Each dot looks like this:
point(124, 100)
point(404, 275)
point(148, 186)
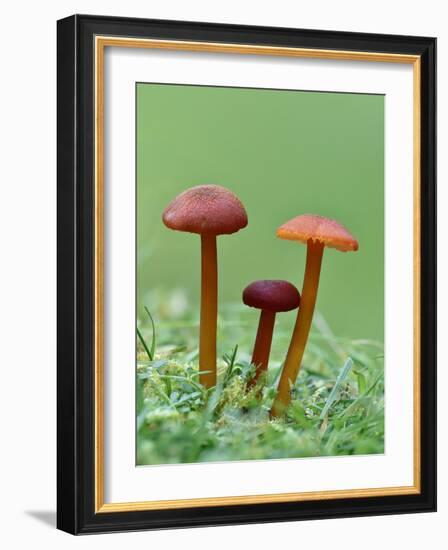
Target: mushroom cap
point(272, 295)
point(206, 209)
point(318, 229)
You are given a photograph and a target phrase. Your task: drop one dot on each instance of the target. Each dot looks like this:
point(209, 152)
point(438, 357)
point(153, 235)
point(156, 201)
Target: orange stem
point(209, 311)
point(262, 348)
point(302, 327)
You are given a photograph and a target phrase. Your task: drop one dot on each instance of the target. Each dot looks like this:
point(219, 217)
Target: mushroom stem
point(262, 347)
point(209, 311)
point(302, 327)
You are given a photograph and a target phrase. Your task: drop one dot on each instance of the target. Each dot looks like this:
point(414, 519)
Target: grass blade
point(324, 328)
point(333, 394)
point(356, 401)
point(182, 379)
point(153, 343)
point(230, 360)
point(142, 340)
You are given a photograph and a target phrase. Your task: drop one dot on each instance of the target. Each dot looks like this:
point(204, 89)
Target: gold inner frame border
point(100, 43)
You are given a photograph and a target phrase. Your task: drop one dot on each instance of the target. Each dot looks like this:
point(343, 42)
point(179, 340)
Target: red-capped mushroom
point(317, 232)
point(209, 210)
point(272, 297)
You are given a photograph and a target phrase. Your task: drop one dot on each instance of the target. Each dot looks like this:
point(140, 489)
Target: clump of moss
point(180, 421)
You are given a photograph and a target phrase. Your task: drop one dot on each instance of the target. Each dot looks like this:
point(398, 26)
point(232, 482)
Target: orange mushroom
point(317, 232)
point(208, 210)
point(271, 297)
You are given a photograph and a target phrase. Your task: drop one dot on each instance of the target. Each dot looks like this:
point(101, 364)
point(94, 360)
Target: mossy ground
point(337, 406)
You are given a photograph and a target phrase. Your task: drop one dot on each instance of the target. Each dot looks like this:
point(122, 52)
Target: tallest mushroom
point(209, 210)
point(317, 232)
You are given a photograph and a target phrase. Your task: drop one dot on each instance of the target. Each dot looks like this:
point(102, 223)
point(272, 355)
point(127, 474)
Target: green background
point(284, 153)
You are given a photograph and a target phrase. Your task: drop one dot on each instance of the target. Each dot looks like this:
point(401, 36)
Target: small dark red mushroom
point(209, 210)
point(271, 297)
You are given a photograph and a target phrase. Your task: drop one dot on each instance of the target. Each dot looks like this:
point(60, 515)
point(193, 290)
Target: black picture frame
point(75, 296)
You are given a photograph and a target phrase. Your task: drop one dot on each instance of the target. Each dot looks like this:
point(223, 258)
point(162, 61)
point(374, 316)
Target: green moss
point(179, 421)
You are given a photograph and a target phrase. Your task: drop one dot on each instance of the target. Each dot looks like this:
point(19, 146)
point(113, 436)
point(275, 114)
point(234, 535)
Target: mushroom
point(317, 232)
point(271, 297)
point(208, 210)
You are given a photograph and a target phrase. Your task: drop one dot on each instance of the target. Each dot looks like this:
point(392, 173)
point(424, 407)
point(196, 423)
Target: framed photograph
point(246, 274)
